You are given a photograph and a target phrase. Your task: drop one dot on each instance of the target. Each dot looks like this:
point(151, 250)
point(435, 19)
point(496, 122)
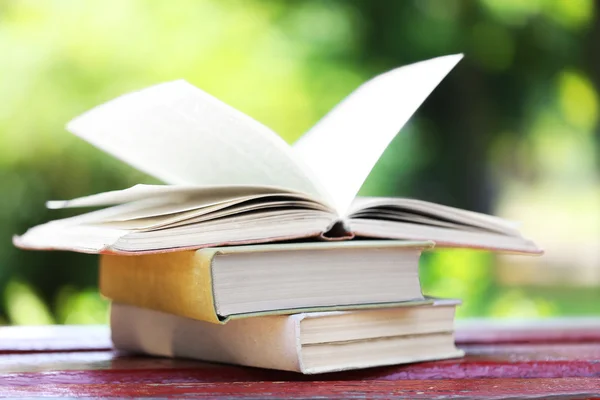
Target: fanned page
point(182, 135)
point(173, 193)
point(149, 218)
point(343, 147)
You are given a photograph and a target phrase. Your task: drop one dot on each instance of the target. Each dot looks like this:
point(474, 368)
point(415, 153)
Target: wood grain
point(526, 362)
point(574, 388)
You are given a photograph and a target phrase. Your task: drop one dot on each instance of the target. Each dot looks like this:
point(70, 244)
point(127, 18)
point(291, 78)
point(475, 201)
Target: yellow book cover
point(216, 284)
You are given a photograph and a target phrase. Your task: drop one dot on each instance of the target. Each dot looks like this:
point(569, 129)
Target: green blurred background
point(512, 131)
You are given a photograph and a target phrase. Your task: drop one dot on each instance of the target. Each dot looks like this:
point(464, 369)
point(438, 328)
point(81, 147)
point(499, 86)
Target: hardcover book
point(218, 284)
point(308, 343)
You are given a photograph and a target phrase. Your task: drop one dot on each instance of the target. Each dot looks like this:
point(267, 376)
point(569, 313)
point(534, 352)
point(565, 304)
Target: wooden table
point(556, 360)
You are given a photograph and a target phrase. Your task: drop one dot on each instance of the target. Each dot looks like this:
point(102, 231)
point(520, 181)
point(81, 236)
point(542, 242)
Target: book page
point(87, 234)
point(182, 135)
point(165, 194)
point(343, 147)
point(443, 237)
point(431, 212)
point(187, 214)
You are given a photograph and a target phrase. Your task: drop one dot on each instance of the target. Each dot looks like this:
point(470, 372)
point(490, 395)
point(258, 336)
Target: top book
point(231, 180)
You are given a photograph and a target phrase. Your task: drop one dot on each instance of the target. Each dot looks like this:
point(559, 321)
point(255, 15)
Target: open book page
point(187, 213)
point(88, 233)
point(168, 194)
point(443, 237)
point(172, 217)
point(427, 213)
point(402, 218)
point(182, 135)
point(230, 205)
point(259, 227)
point(343, 147)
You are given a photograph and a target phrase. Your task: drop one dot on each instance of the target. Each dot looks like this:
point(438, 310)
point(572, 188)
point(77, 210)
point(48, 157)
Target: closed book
point(308, 343)
point(216, 284)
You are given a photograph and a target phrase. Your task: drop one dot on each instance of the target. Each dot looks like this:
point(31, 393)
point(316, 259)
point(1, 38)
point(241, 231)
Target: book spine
point(264, 342)
point(179, 283)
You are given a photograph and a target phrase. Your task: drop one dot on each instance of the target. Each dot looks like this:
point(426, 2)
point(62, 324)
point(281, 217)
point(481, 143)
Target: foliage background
point(512, 131)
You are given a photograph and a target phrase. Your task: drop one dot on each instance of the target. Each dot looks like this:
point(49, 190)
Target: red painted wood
point(60, 361)
point(414, 389)
point(501, 361)
point(225, 374)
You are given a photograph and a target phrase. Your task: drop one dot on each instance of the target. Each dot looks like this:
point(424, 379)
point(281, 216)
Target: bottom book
point(308, 343)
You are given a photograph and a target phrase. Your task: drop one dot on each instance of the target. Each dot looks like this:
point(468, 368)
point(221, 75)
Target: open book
point(231, 180)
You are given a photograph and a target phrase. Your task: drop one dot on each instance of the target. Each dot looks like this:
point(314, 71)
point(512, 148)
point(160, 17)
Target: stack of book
point(306, 307)
point(259, 253)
